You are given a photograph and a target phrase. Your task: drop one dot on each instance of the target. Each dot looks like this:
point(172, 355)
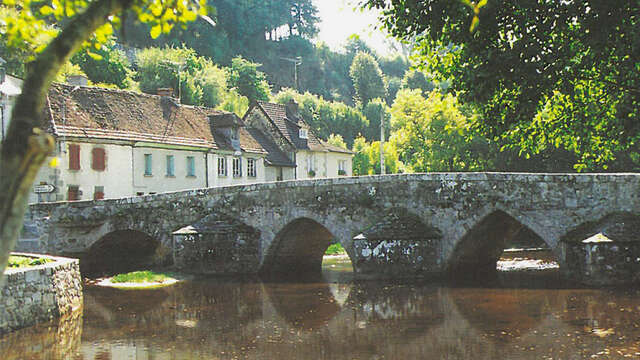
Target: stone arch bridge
point(409, 225)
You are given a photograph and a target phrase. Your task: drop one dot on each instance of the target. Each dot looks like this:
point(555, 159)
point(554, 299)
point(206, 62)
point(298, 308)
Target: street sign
point(43, 188)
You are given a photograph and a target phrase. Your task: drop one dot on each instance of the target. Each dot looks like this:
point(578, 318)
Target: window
point(237, 167)
point(222, 166)
point(191, 166)
point(73, 193)
point(303, 134)
point(98, 193)
point(251, 167)
point(311, 163)
point(171, 170)
point(98, 159)
point(342, 167)
point(74, 157)
point(148, 162)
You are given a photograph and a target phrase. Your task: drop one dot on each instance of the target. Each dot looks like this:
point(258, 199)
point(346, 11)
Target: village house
point(115, 143)
point(311, 157)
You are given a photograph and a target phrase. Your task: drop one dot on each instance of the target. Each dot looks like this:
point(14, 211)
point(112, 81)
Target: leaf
point(155, 31)
point(46, 10)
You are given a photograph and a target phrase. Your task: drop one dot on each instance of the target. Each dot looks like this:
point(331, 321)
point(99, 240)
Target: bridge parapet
point(549, 205)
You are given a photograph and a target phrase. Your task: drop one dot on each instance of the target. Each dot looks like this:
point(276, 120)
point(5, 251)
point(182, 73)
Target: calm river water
point(212, 318)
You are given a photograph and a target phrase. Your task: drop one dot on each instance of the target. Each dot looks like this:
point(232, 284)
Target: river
point(517, 317)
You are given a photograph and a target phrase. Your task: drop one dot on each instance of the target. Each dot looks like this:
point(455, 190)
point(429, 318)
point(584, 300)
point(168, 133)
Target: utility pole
point(382, 169)
point(296, 62)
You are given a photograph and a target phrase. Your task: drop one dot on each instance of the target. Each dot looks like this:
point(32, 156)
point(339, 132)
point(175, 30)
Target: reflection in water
point(230, 318)
point(52, 340)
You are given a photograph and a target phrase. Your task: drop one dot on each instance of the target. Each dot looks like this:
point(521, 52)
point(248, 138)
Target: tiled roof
point(124, 115)
point(334, 148)
point(289, 128)
point(275, 156)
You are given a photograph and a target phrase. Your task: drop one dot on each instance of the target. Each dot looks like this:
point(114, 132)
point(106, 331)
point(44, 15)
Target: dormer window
point(304, 134)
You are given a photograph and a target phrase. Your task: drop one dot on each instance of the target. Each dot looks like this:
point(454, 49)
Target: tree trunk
point(27, 145)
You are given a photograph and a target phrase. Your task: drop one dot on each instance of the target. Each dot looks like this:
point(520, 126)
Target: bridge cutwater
point(392, 226)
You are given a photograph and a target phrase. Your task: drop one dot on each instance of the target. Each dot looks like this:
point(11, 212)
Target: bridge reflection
point(230, 318)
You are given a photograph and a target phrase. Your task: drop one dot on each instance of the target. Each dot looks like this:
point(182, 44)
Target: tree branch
point(27, 146)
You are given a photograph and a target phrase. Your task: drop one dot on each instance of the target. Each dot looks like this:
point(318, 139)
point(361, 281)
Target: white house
point(114, 143)
point(307, 154)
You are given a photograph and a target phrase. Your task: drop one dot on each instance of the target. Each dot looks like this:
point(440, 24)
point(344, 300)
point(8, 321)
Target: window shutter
point(73, 193)
point(74, 157)
point(98, 159)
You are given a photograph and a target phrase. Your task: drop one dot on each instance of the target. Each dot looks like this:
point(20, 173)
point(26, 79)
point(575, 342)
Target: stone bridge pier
point(392, 226)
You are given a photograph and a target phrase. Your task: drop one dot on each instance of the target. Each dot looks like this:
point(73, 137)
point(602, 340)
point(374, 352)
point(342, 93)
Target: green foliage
point(335, 249)
point(375, 110)
point(23, 261)
point(436, 134)
point(235, 103)
point(201, 82)
point(111, 67)
point(368, 80)
point(564, 72)
point(366, 160)
point(416, 79)
point(325, 117)
point(67, 70)
point(26, 22)
point(145, 276)
point(248, 81)
point(337, 140)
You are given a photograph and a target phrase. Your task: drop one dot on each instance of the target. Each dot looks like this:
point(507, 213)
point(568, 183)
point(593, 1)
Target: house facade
point(114, 143)
point(310, 157)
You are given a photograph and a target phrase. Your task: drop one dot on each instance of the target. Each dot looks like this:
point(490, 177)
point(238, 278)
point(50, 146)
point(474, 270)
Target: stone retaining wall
point(39, 293)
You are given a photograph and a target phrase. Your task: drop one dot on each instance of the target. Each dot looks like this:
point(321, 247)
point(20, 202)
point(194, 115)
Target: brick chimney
point(77, 80)
point(165, 92)
point(292, 110)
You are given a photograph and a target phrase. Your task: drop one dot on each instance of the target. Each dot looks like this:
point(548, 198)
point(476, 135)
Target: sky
point(339, 20)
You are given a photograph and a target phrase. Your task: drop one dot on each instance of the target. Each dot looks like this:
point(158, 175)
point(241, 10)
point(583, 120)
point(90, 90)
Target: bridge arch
point(476, 254)
point(298, 249)
point(121, 251)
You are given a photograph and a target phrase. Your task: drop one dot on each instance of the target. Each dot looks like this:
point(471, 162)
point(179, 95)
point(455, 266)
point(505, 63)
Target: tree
point(336, 140)
point(435, 134)
point(27, 144)
point(565, 72)
point(248, 81)
point(366, 160)
point(375, 110)
point(201, 82)
point(367, 78)
point(110, 67)
point(416, 79)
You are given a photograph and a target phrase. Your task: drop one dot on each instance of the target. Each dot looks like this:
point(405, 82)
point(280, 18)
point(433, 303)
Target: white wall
point(116, 178)
point(325, 164)
point(288, 173)
point(332, 160)
point(159, 181)
point(229, 179)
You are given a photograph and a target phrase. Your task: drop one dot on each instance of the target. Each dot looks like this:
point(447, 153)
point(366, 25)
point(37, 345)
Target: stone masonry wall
point(39, 293)
point(549, 205)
